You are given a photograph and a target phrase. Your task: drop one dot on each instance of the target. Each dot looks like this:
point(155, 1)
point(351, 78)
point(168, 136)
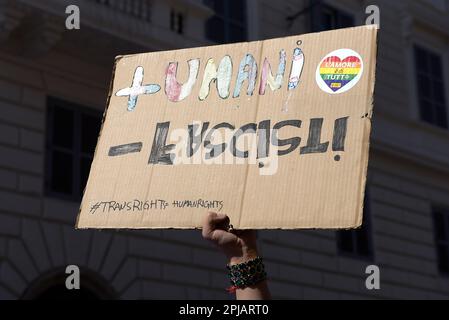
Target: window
point(441, 231)
point(140, 9)
point(229, 22)
point(430, 87)
point(72, 133)
point(358, 243)
point(176, 22)
point(325, 17)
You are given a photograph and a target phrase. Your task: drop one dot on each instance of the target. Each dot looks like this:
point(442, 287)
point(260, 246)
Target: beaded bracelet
point(246, 274)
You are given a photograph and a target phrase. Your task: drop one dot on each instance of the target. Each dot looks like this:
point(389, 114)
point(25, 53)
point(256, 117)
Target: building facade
point(53, 88)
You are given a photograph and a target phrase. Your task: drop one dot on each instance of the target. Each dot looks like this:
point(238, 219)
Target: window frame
point(228, 21)
point(318, 10)
point(76, 152)
point(445, 213)
point(368, 223)
point(177, 21)
point(415, 85)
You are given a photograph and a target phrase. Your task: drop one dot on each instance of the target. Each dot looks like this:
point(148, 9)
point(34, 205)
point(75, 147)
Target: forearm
point(246, 269)
point(258, 291)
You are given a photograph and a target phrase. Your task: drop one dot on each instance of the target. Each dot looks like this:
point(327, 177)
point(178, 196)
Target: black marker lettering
point(216, 149)
point(159, 151)
point(340, 127)
point(195, 140)
point(313, 141)
point(247, 128)
point(293, 142)
point(124, 149)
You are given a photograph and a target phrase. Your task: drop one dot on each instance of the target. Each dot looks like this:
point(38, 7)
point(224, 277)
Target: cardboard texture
point(307, 98)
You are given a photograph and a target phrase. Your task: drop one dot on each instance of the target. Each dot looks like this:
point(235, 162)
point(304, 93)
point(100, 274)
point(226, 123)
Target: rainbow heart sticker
point(339, 71)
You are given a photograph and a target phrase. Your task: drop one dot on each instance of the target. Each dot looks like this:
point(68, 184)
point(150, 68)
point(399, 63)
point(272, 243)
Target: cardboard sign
point(273, 133)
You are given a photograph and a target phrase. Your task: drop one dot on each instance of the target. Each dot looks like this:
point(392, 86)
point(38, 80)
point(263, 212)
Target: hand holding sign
point(238, 245)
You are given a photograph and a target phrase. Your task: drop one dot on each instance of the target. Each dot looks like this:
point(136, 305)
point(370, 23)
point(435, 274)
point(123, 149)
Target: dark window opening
point(176, 22)
point(325, 17)
point(140, 9)
point(441, 233)
point(229, 24)
point(358, 243)
point(72, 133)
point(430, 87)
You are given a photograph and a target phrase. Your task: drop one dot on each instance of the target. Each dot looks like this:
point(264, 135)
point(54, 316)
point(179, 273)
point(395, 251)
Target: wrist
point(247, 275)
point(245, 255)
